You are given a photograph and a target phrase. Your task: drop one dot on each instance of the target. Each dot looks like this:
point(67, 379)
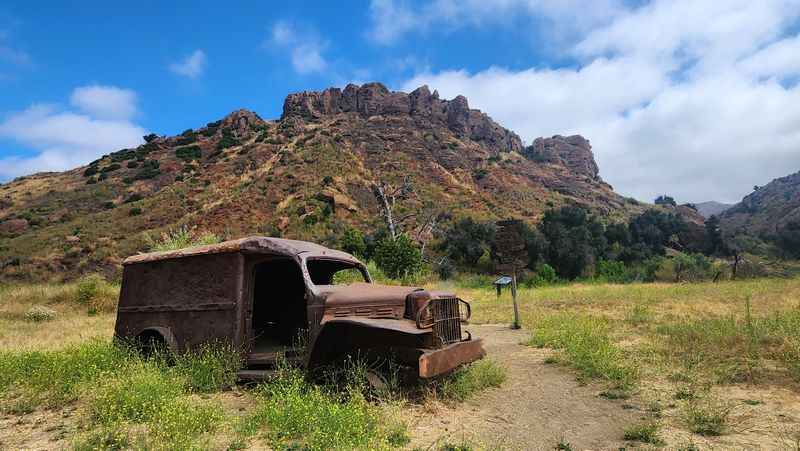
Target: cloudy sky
point(697, 99)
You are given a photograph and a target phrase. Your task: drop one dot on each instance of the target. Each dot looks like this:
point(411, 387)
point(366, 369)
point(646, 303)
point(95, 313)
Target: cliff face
point(765, 211)
point(308, 175)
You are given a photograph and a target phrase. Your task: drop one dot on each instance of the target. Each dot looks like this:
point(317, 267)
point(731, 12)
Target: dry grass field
point(693, 366)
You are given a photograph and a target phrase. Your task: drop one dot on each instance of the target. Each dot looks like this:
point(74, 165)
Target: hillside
point(766, 211)
point(307, 175)
point(711, 208)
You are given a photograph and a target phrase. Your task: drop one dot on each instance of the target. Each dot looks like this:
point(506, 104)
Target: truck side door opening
point(279, 305)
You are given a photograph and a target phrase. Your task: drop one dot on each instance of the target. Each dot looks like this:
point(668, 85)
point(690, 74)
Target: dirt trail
point(538, 405)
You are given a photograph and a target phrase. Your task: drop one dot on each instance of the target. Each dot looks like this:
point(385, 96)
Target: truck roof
point(251, 244)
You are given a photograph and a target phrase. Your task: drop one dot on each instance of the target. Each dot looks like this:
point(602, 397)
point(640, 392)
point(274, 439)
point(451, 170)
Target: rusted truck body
point(259, 294)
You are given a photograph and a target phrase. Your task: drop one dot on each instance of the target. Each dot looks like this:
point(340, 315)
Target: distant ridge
point(711, 208)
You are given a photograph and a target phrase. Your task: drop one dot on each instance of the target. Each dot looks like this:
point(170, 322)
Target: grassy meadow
point(701, 360)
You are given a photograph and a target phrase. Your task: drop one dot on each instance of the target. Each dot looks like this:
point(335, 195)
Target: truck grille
point(446, 319)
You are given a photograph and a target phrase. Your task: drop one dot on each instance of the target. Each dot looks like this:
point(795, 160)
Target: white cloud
point(682, 97)
point(191, 66)
point(303, 46)
point(63, 139)
point(391, 19)
point(105, 102)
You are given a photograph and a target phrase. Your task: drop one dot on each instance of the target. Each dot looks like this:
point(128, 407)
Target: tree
point(654, 230)
point(573, 238)
point(398, 257)
point(352, 242)
point(387, 196)
point(789, 239)
point(715, 245)
point(467, 240)
point(665, 200)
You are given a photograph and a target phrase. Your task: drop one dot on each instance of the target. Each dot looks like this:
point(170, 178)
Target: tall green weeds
point(586, 345)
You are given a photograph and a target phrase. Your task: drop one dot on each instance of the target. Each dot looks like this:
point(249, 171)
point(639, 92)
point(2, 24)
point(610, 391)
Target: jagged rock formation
point(765, 211)
point(373, 99)
point(308, 175)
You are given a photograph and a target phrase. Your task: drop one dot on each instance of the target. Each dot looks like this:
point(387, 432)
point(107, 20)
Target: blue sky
point(694, 98)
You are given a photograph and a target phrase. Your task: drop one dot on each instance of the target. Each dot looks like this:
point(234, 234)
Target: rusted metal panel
point(253, 244)
point(440, 361)
point(180, 308)
point(194, 298)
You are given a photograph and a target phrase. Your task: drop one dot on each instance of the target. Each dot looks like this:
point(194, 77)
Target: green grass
point(707, 417)
point(471, 379)
point(294, 414)
point(120, 391)
point(51, 378)
point(646, 432)
point(180, 238)
point(587, 346)
point(210, 368)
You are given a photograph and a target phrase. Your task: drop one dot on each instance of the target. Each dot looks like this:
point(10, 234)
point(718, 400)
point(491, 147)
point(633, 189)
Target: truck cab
point(261, 294)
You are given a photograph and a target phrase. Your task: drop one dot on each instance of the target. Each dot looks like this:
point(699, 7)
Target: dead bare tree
point(387, 196)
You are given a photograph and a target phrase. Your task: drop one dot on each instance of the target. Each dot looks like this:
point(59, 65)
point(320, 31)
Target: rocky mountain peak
point(426, 108)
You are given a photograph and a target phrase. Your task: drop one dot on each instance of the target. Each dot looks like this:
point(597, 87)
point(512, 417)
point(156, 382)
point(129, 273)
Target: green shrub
point(707, 417)
point(227, 140)
point(110, 168)
point(123, 155)
point(90, 171)
point(646, 432)
point(40, 313)
point(545, 275)
point(612, 271)
point(149, 169)
point(189, 152)
point(88, 287)
point(135, 211)
point(398, 257)
point(352, 242)
point(685, 268)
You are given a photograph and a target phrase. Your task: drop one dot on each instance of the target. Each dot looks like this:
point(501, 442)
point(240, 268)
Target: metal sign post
point(512, 253)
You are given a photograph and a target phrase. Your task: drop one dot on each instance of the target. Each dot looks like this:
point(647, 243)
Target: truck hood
point(366, 293)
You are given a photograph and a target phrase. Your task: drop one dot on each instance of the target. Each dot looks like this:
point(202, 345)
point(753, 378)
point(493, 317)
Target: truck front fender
point(352, 335)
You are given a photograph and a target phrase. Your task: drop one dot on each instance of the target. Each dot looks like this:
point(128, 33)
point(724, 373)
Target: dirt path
point(537, 406)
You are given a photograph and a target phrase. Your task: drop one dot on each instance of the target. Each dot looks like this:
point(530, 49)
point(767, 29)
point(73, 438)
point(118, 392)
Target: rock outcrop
point(573, 152)
point(374, 99)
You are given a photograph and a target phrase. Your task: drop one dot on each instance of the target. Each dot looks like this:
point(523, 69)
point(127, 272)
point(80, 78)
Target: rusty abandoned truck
point(260, 293)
